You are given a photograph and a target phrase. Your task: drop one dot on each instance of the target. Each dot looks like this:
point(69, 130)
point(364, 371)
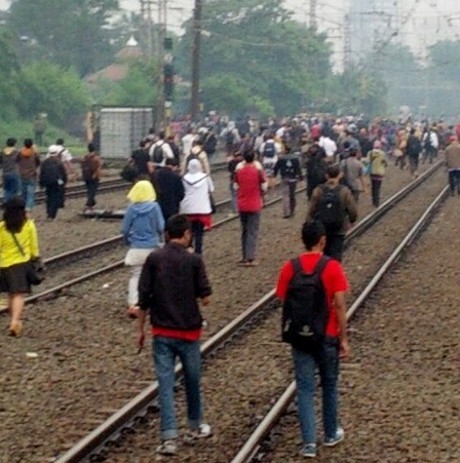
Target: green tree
point(48, 88)
point(9, 78)
point(71, 33)
point(258, 43)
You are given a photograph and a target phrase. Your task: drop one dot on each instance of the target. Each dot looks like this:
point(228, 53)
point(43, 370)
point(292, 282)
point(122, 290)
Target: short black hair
point(312, 232)
point(172, 162)
point(28, 142)
point(248, 156)
point(60, 141)
point(91, 147)
point(162, 135)
point(176, 226)
point(11, 142)
point(333, 170)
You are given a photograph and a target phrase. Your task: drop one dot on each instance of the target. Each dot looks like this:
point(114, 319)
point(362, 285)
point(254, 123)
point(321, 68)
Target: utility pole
point(147, 26)
point(346, 43)
point(313, 23)
point(196, 51)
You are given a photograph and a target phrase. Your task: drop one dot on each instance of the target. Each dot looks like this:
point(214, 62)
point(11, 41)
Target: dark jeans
point(197, 232)
point(454, 182)
point(11, 186)
point(334, 246)
point(91, 190)
point(429, 153)
point(249, 233)
point(288, 188)
point(376, 185)
point(53, 200)
point(413, 164)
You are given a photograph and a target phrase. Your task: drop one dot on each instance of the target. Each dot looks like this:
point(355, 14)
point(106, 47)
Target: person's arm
point(203, 288)
point(276, 168)
point(145, 284)
point(159, 220)
point(126, 225)
point(34, 249)
point(97, 171)
point(205, 161)
point(167, 151)
point(314, 201)
point(341, 309)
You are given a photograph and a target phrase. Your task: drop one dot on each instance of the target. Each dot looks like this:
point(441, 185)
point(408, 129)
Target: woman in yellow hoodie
point(18, 244)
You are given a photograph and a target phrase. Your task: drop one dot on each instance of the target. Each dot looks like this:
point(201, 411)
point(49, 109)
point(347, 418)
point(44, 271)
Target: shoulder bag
point(36, 268)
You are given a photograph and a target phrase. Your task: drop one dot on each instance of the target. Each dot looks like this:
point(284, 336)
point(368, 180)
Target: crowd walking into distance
point(343, 162)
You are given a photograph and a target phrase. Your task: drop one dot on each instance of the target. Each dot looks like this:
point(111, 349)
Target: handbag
point(35, 266)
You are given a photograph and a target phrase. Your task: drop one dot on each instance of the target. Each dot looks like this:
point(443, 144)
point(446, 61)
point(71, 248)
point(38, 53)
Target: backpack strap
point(320, 266)
point(21, 250)
point(297, 265)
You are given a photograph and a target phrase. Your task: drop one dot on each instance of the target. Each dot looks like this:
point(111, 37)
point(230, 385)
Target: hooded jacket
point(28, 161)
point(143, 221)
point(197, 187)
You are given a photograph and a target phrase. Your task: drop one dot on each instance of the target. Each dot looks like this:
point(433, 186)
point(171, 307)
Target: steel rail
point(251, 447)
point(109, 242)
point(121, 419)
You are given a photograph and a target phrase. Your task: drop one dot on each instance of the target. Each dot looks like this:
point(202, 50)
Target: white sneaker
point(167, 447)
point(332, 441)
point(204, 431)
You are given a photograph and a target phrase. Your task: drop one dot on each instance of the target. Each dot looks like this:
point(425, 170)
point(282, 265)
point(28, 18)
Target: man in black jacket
point(171, 283)
point(168, 187)
point(288, 165)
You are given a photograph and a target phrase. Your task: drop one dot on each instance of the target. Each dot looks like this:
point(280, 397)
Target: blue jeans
point(165, 351)
point(28, 193)
point(11, 186)
point(327, 361)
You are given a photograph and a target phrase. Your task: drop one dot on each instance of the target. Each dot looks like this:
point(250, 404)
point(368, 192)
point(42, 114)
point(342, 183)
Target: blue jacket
point(142, 224)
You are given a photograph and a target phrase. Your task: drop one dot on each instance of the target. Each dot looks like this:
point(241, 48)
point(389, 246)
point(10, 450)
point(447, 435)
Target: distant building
point(119, 69)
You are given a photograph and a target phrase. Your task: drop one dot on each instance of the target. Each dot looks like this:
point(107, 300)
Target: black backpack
point(331, 210)
point(305, 309)
point(269, 150)
point(427, 143)
point(230, 137)
point(158, 155)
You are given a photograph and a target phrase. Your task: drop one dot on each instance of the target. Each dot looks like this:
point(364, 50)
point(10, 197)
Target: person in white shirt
point(196, 204)
point(187, 141)
point(269, 153)
point(164, 151)
point(329, 146)
point(66, 158)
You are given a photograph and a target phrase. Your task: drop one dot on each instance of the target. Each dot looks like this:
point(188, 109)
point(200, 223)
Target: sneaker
point(167, 447)
point(203, 431)
point(331, 441)
point(308, 451)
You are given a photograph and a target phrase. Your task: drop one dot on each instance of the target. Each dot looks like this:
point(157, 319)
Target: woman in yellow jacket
point(18, 244)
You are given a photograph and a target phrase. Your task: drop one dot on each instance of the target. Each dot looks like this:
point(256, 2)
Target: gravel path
point(85, 346)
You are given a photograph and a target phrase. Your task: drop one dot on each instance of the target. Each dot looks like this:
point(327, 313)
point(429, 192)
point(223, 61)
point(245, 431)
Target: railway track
point(107, 245)
point(79, 190)
point(122, 421)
